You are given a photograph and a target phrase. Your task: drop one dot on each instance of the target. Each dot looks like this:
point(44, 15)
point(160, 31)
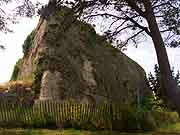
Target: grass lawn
point(64, 132)
point(170, 130)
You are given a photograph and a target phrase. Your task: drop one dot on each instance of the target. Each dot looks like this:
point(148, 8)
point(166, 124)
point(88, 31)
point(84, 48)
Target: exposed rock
point(87, 73)
point(67, 60)
point(50, 85)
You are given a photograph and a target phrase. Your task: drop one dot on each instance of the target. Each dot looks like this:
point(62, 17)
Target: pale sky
point(13, 43)
point(143, 55)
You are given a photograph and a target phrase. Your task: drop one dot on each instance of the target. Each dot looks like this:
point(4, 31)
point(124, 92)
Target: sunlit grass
point(171, 128)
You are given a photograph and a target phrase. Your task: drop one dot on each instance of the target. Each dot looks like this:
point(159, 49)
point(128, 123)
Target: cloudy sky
point(144, 54)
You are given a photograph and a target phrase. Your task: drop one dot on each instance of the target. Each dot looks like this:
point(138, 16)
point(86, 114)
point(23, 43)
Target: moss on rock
point(15, 73)
point(28, 43)
point(91, 69)
point(38, 73)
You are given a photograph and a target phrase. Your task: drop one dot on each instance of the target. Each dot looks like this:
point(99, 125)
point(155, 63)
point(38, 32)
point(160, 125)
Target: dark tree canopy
point(124, 17)
point(126, 20)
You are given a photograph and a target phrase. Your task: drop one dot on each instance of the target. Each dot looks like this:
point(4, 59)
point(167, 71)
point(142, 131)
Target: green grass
point(168, 130)
point(61, 132)
point(171, 128)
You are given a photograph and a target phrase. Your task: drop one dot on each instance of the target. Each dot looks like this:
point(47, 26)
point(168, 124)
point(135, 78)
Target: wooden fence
point(44, 111)
point(49, 112)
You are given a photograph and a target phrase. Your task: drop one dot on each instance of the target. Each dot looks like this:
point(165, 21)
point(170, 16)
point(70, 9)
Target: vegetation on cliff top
point(28, 43)
point(16, 70)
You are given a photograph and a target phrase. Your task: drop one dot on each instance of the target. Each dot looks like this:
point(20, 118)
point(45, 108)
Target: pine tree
point(154, 80)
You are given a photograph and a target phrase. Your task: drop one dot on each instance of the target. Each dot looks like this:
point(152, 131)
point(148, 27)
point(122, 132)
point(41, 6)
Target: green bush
point(135, 119)
point(50, 121)
point(37, 122)
point(165, 118)
point(38, 76)
point(145, 121)
point(42, 122)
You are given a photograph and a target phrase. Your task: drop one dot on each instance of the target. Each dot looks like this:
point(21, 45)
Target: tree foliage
point(125, 18)
point(10, 10)
point(155, 84)
point(125, 21)
point(4, 18)
point(20, 8)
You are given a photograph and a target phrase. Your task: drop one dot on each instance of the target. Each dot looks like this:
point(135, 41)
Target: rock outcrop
point(67, 60)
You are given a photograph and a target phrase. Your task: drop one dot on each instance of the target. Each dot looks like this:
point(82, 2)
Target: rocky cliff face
point(67, 60)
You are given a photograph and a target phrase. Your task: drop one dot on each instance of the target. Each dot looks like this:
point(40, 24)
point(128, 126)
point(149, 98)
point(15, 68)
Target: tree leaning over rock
point(159, 19)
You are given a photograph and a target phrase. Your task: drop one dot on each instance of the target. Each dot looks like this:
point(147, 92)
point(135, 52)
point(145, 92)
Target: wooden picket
point(58, 112)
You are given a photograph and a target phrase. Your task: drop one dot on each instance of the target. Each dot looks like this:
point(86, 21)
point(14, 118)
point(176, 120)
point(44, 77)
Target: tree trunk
point(171, 90)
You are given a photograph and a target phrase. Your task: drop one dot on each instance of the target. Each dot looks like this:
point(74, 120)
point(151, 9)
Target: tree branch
point(139, 26)
point(131, 38)
point(133, 5)
point(118, 31)
point(105, 14)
